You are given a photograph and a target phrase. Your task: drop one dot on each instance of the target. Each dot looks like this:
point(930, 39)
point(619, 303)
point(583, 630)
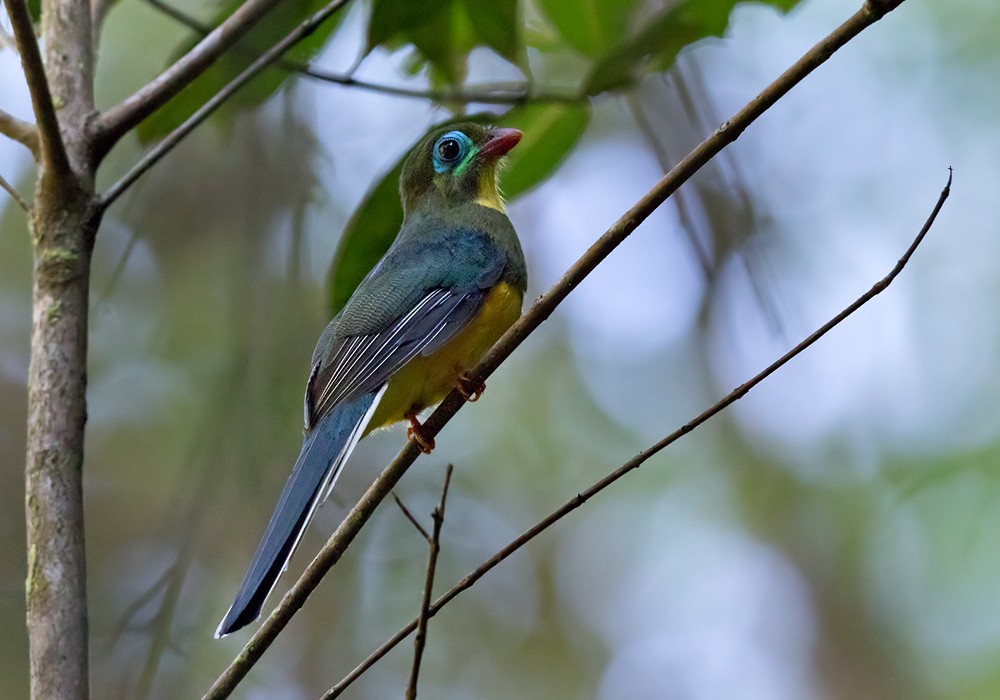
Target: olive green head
point(456, 165)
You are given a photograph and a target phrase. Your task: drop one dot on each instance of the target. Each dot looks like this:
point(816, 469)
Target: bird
point(451, 283)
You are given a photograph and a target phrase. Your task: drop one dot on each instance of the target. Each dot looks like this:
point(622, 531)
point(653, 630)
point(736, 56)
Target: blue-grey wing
point(361, 364)
point(416, 299)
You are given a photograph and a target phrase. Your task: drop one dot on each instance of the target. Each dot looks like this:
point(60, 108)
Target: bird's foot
point(468, 391)
point(416, 432)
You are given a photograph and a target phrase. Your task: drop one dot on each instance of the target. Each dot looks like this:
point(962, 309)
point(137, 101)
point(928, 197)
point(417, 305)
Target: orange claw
point(470, 394)
point(416, 431)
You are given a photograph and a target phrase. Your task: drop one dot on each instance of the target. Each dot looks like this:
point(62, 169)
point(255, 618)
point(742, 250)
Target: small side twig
point(51, 150)
point(174, 137)
point(409, 516)
point(15, 195)
point(21, 131)
point(433, 547)
point(732, 397)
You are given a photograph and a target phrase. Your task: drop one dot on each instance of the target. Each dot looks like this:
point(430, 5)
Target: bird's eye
point(449, 150)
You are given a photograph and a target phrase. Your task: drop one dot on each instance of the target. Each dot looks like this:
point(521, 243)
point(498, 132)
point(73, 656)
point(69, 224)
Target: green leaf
point(656, 46)
point(550, 133)
point(271, 29)
point(591, 27)
point(445, 31)
point(498, 25)
point(35, 10)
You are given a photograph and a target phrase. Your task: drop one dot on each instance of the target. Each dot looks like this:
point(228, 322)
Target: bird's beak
point(499, 143)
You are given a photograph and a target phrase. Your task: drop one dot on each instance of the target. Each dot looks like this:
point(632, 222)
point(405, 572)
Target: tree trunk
point(56, 583)
point(64, 221)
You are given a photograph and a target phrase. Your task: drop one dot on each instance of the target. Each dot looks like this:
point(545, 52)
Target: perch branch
point(727, 133)
point(735, 395)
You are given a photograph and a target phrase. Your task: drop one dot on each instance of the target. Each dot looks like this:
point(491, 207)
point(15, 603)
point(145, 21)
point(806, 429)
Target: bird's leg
point(416, 431)
point(468, 391)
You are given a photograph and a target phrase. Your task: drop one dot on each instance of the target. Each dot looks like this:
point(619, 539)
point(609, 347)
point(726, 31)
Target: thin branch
point(21, 131)
point(486, 93)
point(51, 150)
point(433, 548)
point(118, 120)
point(735, 395)
point(174, 137)
point(341, 539)
point(409, 516)
point(15, 195)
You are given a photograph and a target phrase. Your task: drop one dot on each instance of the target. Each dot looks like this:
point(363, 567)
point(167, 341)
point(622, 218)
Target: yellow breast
point(424, 381)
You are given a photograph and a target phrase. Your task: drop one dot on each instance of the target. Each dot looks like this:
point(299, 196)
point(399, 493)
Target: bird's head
point(456, 165)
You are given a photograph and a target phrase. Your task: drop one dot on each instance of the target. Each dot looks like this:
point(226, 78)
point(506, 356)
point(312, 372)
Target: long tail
point(324, 452)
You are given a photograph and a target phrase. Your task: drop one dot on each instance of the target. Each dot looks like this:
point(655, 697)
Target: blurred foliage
point(655, 46)
point(283, 18)
point(443, 32)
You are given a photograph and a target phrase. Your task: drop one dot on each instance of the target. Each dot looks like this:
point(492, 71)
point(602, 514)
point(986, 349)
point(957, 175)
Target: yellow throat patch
point(489, 191)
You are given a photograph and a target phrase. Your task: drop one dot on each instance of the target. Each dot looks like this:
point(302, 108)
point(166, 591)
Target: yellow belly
point(424, 381)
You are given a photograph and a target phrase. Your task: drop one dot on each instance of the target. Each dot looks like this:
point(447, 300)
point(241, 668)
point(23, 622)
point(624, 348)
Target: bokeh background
point(836, 534)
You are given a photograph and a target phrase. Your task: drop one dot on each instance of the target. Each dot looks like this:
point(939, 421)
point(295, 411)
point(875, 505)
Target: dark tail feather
point(323, 454)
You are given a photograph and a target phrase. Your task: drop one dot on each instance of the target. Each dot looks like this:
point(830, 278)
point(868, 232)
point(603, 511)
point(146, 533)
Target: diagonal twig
point(15, 195)
point(409, 516)
point(727, 133)
point(433, 548)
point(118, 120)
point(735, 395)
point(51, 150)
point(21, 131)
point(174, 137)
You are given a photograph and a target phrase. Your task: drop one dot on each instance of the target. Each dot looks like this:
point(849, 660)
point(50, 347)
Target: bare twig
point(21, 131)
point(118, 120)
point(433, 548)
point(735, 395)
point(487, 93)
point(409, 516)
point(51, 149)
point(15, 195)
point(341, 539)
point(174, 137)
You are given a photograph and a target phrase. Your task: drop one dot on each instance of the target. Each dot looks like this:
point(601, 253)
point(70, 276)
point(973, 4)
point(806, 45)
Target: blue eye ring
point(451, 150)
